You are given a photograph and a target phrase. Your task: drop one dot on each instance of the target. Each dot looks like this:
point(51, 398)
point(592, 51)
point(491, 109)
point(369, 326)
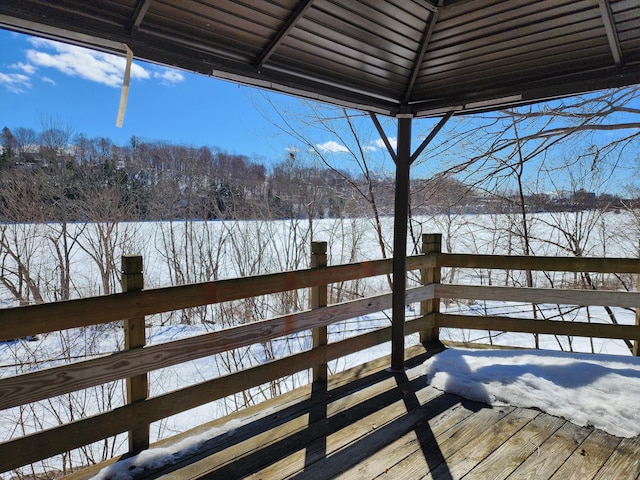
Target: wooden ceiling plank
point(499, 54)
point(529, 72)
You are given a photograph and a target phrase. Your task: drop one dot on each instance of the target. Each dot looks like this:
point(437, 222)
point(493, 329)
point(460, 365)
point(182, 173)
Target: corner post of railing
point(431, 243)
point(134, 337)
point(319, 299)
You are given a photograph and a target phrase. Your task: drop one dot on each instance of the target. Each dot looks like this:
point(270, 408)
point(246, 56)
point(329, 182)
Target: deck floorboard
point(370, 423)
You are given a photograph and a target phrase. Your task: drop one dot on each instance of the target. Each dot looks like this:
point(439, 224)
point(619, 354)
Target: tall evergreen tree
point(8, 148)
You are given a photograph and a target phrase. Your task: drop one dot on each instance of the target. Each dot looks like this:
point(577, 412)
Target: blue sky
point(44, 81)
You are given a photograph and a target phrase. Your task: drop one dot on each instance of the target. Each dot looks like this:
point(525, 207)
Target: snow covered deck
point(371, 423)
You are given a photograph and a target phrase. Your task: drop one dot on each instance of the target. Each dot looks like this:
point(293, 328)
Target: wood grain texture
point(139, 360)
point(431, 244)
point(370, 423)
point(318, 299)
point(36, 319)
point(408, 458)
point(511, 454)
point(475, 451)
point(624, 462)
point(588, 458)
point(134, 339)
point(552, 453)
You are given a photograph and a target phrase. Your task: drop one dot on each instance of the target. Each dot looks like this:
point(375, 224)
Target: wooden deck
point(370, 423)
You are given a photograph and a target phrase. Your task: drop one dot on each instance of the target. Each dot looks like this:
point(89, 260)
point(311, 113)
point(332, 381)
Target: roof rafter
point(384, 137)
point(426, 38)
point(612, 34)
point(291, 22)
point(138, 15)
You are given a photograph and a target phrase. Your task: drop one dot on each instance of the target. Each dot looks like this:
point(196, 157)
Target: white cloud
point(15, 82)
point(25, 67)
point(333, 147)
point(393, 141)
point(169, 77)
point(99, 67)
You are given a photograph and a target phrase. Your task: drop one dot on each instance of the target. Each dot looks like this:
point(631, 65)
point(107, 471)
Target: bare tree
point(348, 143)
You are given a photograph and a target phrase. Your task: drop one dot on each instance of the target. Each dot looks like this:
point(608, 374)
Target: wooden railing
point(558, 296)
point(138, 359)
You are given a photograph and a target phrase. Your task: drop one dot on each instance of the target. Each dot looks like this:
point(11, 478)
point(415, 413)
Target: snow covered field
point(183, 252)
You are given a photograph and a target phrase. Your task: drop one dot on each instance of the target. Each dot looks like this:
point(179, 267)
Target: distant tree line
point(53, 175)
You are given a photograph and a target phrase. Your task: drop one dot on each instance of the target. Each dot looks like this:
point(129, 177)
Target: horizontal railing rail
point(45, 444)
point(583, 298)
point(548, 264)
point(550, 327)
point(50, 382)
point(28, 320)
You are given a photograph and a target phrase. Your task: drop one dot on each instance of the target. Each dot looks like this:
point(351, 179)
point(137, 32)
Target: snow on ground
point(586, 389)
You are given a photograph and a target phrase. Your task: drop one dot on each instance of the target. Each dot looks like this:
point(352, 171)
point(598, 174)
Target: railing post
point(319, 299)
point(134, 337)
point(431, 243)
point(636, 342)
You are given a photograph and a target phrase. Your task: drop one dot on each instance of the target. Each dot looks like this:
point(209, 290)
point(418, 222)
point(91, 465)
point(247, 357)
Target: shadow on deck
point(371, 423)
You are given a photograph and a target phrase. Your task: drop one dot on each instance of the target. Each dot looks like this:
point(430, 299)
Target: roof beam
point(384, 137)
point(291, 22)
point(431, 136)
point(138, 15)
point(612, 34)
point(426, 38)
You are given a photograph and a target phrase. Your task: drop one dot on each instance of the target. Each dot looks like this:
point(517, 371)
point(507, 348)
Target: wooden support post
point(400, 223)
point(636, 342)
point(135, 337)
point(431, 243)
point(318, 300)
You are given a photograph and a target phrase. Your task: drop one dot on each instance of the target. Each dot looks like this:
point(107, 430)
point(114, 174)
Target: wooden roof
point(413, 57)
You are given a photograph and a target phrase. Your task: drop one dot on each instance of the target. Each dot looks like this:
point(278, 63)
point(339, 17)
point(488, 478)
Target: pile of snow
point(158, 457)
point(588, 390)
